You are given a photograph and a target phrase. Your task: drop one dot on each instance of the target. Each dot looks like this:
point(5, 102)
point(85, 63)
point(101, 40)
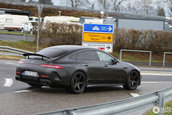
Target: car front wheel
point(132, 81)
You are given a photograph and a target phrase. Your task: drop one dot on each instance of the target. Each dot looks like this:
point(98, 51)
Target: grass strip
point(167, 109)
point(15, 33)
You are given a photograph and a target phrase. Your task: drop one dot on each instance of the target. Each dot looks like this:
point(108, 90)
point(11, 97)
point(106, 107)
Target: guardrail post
point(160, 102)
point(121, 55)
point(164, 60)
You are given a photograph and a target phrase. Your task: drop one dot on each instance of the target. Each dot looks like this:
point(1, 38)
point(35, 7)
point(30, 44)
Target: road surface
point(7, 37)
point(18, 98)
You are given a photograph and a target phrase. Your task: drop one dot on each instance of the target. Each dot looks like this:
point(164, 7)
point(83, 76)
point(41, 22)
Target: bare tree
point(114, 5)
point(90, 4)
point(105, 4)
point(74, 3)
point(166, 4)
point(117, 4)
point(145, 7)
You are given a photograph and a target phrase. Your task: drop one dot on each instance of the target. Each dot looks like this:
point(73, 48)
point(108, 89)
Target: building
point(5, 1)
point(15, 12)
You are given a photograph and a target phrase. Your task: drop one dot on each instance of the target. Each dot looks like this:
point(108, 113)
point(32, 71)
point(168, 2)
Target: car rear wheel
point(132, 81)
point(78, 83)
point(35, 86)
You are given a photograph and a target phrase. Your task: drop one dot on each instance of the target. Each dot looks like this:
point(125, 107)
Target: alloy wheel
point(78, 82)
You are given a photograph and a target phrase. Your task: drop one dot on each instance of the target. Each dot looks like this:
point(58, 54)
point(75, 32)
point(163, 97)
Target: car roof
point(72, 47)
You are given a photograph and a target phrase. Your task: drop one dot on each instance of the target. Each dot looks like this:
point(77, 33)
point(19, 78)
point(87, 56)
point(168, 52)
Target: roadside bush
point(61, 34)
point(65, 34)
point(156, 41)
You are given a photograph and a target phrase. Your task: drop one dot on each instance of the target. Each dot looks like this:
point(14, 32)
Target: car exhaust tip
point(18, 78)
point(45, 82)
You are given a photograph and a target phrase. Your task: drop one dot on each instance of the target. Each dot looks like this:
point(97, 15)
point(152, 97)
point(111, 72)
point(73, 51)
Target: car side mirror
point(113, 62)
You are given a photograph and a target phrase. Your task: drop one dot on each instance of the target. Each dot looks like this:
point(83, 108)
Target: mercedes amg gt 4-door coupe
point(74, 68)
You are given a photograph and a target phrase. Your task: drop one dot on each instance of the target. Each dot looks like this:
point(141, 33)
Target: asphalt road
point(17, 98)
point(7, 37)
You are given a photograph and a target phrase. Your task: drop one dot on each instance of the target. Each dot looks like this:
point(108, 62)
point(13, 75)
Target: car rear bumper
point(40, 81)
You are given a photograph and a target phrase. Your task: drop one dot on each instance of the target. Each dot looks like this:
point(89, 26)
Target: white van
point(61, 19)
point(91, 20)
point(12, 22)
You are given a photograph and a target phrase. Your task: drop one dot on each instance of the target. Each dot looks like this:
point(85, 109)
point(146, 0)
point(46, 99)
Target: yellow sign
point(97, 37)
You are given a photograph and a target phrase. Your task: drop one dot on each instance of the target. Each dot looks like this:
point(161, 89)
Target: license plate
point(30, 73)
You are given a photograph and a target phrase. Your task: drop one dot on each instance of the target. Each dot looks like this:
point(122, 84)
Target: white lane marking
point(8, 82)
point(11, 63)
point(156, 82)
point(4, 68)
point(22, 91)
point(134, 94)
point(156, 69)
point(156, 73)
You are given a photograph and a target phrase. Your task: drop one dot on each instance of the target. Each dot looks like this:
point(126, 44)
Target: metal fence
point(6, 50)
point(164, 57)
point(130, 106)
point(142, 51)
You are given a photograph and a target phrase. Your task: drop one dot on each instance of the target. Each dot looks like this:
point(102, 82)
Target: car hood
point(124, 64)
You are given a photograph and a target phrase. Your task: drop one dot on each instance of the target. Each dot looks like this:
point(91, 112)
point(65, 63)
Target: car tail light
point(44, 76)
point(51, 66)
point(18, 72)
point(21, 62)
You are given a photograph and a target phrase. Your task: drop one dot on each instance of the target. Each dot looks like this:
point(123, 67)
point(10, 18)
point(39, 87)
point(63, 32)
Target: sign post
point(99, 36)
point(39, 23)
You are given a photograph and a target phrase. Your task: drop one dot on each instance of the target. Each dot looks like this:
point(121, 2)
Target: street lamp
point(102, 14)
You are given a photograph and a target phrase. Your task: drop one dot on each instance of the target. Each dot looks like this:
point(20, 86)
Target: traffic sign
point(99, 28)
point(107, 47)
point(98, 37)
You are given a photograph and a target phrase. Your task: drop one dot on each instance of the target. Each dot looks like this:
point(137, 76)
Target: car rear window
point(52, 52)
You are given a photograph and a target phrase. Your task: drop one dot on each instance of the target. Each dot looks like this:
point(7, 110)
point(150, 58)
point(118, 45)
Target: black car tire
point(35, 86)
point(133, 81)
point(78, 83)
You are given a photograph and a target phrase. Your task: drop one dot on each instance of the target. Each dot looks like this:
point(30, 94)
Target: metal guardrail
point(164, 57)
point(143, 51)
point(13, 51)
point(123, 107)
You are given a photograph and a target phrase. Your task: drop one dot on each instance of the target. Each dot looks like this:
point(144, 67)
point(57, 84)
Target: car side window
point(104, 57)
point(86, 55)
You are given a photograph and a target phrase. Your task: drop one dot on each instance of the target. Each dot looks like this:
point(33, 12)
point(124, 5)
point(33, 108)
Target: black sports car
point(75, 67)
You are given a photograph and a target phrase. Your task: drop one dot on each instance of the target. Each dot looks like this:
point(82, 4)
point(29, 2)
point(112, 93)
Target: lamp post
point(102, 14)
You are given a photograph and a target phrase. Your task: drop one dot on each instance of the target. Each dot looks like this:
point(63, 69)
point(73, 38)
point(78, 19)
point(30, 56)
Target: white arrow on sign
point(110, 28)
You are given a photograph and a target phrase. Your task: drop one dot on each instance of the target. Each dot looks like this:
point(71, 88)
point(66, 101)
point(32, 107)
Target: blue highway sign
point(99, 28)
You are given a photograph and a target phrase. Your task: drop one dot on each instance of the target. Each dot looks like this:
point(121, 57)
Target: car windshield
point(52, 52)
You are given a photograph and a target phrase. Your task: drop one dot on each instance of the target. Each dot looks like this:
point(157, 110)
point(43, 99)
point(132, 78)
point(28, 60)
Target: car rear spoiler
point(34, 54)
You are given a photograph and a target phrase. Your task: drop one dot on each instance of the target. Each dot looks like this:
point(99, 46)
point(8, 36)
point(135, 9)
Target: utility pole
point(39, 23)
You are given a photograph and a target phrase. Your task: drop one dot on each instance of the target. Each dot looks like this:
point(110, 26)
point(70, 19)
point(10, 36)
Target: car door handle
point(125, 67)
point(85, 65)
